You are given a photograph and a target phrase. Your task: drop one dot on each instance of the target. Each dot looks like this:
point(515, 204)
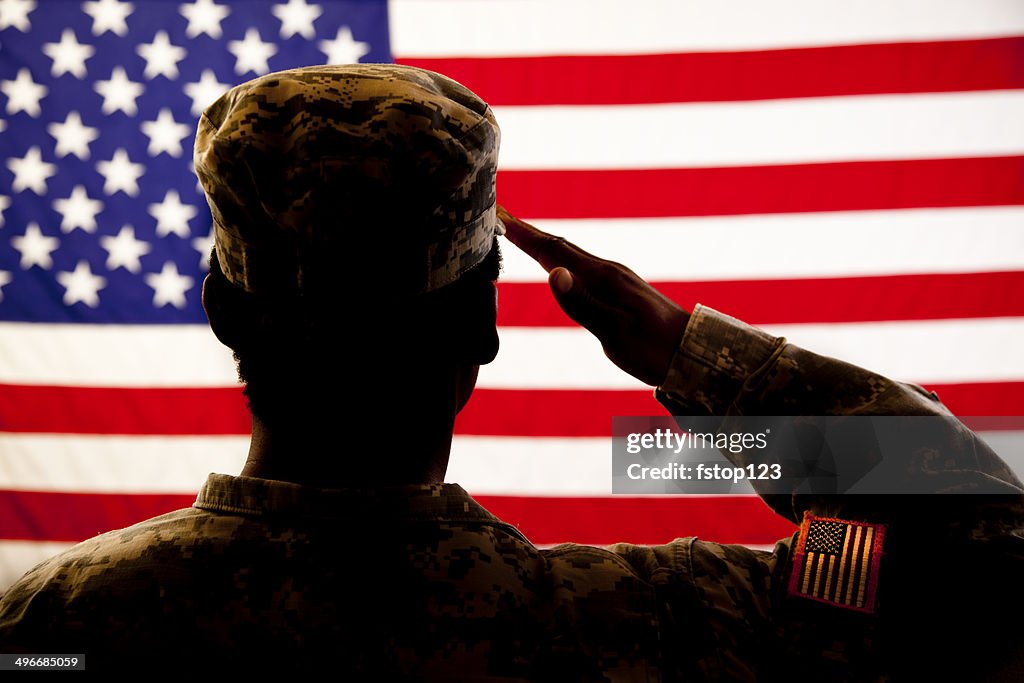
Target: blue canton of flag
point(101, 218)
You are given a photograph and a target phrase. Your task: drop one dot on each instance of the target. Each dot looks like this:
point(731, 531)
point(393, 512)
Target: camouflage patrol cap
point(321, 176)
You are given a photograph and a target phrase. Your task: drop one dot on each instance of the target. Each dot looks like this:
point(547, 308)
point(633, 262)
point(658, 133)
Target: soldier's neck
point(351, 453)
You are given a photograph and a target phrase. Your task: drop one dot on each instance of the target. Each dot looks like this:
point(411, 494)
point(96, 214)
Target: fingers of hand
point(550, 251)
point(581, 305)
point(516, 230)
point(522, 234)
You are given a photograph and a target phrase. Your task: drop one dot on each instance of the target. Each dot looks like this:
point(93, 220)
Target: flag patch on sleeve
point(836, 562)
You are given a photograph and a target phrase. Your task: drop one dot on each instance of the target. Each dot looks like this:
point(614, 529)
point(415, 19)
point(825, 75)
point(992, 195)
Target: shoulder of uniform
point(113, 551)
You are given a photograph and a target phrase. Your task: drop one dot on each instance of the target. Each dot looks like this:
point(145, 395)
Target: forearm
point(726, 368)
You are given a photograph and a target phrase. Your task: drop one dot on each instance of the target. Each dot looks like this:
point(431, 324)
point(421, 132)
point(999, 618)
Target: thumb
point(561, 281)
point(578, 303)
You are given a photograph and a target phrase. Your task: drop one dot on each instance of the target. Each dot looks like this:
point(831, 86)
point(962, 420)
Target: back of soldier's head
point(353, 206)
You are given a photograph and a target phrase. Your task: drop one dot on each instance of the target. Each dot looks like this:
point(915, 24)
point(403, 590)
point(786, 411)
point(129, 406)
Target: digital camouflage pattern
point(315, 176)
point(421, 582)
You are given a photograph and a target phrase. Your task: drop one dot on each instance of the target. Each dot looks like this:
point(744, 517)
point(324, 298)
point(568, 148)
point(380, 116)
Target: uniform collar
point(267, 497)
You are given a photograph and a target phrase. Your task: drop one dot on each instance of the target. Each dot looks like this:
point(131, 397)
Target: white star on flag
point(15, 13)
point(252, 53)
point(23, 94)
point(78, 211)
point(124, 250)
point(72, 136)
point(30, 171)
point(344, 49)
point(172, 215)
point(297, 17)
point(81, 285)
point(108, 15)
point(68, 55)
point(204, 245)
point(165, 134)
point(5, 202)
point(35, 247)
point(205, 92)
point(169, 286)
point(161, 56)
point(5, 278)
point(121, 174)
point(204, 16)
point(119, 93)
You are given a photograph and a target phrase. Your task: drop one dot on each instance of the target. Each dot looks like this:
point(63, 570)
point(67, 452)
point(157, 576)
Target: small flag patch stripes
point(836, 562)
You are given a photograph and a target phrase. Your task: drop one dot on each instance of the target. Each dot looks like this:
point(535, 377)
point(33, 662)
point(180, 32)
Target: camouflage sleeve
point(724, 367)
point(949, 578)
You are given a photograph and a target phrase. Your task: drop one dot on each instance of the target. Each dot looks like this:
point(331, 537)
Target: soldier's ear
point(459, 324)
point(225, 326)
point(487, 340)
point(476, 336)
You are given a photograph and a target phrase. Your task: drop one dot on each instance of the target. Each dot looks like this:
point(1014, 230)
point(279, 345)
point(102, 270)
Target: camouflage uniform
point(422, 582)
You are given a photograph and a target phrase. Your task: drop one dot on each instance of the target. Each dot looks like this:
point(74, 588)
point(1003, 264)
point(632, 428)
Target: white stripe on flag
point(134, 464)
point(114, 356)
point(539, 27)
point(77, 463)
point(484, 465)
point(856, 128)
point(835, 244)
point(17, 557)
point(939, 351)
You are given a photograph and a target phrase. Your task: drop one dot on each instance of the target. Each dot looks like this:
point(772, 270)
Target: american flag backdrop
point(850, 175)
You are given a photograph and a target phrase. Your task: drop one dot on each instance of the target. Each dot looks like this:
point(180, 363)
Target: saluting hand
point(637, 325)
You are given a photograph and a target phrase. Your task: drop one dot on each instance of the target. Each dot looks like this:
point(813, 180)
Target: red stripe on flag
point(51, 516)
point(491, 412)
point(120, 410)
point(824, 300)
point(569, 413)
point(551, 412)
point(981, 398)
point(789, 188)
point(942, 66)
point(650, 520)
point(47, 516)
